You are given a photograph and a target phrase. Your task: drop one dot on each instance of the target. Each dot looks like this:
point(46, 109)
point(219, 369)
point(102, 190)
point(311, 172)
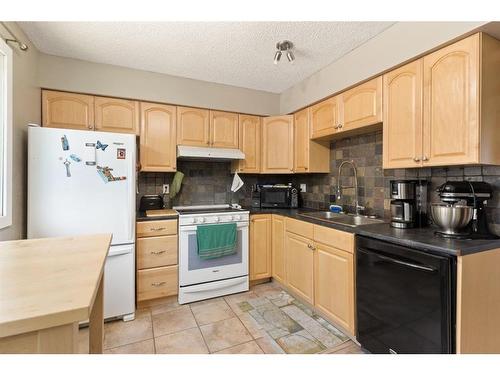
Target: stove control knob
point(237, 217)
point(190, 220)
point(200, 220)
point(216, 219)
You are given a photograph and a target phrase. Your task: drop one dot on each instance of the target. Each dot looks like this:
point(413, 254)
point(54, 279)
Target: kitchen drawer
point(156, 251)
point(335, 238)
point(157, 282)
point(299, 227)
point(156, 228)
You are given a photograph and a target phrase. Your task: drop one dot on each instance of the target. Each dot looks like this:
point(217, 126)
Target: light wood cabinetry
point(116, 115)
point(277, 144)
point(224, 129)
point(299, 266)
point(250, 134)
point(325, 118)
point(361, 106)
point(309, 156)
point(260, 247)
point(403, 123)
point(157, 258)
point(67, 110)
point(278, 249)
point(193, 127)
point(158, 138)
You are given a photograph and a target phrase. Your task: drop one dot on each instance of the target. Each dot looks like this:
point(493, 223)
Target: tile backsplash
point(210, 182)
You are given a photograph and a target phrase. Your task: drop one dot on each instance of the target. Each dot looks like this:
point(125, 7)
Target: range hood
point(209, 153)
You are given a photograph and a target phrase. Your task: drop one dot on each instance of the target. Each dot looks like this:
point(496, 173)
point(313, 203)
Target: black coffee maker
point(474, 194)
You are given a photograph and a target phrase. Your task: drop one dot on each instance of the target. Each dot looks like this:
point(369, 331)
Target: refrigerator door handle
point(120, 251)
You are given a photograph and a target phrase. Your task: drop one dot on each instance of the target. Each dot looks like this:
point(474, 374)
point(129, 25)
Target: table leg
point(96, 322)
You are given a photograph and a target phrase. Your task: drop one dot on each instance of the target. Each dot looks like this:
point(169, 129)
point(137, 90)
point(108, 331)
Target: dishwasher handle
point(403, 263)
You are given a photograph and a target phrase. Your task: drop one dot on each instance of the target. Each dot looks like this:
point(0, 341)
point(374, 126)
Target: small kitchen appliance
point(409, 203)
point(278, 196)
point(151, 202)
point(461, 213)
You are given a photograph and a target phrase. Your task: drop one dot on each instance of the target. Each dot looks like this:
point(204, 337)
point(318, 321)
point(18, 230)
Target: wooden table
point(48, 286)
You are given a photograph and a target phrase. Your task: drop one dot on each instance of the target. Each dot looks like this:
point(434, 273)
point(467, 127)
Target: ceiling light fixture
point(284, 47)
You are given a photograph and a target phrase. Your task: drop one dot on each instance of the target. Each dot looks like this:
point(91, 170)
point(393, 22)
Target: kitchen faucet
point(340, 187)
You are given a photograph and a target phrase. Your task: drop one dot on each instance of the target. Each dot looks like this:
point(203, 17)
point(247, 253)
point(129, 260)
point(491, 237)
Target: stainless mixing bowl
point(451, 218)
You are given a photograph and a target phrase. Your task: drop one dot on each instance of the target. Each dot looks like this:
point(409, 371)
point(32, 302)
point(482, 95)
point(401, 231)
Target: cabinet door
point(301, 141)
point(158, 139)
point(299, 266)
point(451, 104)
point(224, 129)
point(67, 110)
point(334, 285)
point(260, 247)
point(193, 127)
point(324, 118)
point(250, 142)
point(277, 144)
point(116, 115)
point(403, 116)
point(361, 105)
point(278, 249)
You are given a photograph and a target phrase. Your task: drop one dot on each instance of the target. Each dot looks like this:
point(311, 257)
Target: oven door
point(194, 270)
point(275, 197)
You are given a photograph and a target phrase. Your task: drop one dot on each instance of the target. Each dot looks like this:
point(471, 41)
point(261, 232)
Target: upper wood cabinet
point(402, 132)
point(324, 117)
point(299, 265)
point(193, 127)
point(67, 110)
point(277, 144)
point(250, 134)
point(260, 247)
point(278, 249)
point(361, 105)
point(224, 129)
point(309, 156)
point(116, 115)
point(158, 138)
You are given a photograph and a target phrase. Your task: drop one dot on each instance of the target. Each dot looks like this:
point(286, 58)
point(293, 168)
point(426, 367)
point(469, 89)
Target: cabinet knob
point(90, 126)
point(416, 160)
point(340, 126)
point(425, 158)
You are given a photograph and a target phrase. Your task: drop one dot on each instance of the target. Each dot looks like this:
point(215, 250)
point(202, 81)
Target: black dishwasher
point(405, 299)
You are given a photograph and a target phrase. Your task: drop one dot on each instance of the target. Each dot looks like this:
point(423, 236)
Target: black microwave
point(278, 196)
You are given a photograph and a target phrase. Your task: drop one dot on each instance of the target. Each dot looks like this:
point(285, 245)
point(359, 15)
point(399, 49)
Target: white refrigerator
point(83, 182)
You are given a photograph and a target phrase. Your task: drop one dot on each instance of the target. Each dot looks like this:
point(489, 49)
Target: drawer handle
point(158, 252)
point(157, 229)
point(158, 284)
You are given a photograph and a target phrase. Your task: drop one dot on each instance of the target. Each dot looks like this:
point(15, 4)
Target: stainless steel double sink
point(350, 220)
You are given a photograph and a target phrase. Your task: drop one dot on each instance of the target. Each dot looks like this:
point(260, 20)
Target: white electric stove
point(208, 278)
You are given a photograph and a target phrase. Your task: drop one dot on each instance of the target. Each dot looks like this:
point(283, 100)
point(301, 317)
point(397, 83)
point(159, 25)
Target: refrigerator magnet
point(75, 158)
point(121, 153)
point(101, 146)
point(67, 163)
point(64, 143)
point(107, 176)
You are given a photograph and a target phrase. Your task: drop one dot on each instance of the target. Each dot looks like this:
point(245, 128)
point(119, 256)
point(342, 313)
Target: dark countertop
point(141, 216)
point(422, 239)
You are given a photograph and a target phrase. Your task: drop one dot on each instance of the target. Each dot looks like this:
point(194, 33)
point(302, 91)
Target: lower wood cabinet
point(334, 285)
point(157, 259)
point(278, 249)
point(299, 266)
point(260, 247)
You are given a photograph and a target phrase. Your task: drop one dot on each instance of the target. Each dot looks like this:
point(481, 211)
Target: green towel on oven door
point(217, 240)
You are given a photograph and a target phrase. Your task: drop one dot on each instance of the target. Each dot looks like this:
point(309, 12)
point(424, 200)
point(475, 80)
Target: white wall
point(26, 109)
point(63, 73)
point(400, 42)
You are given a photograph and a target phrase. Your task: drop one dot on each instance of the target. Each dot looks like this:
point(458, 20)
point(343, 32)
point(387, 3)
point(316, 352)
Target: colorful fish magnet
point(64, 143)
point(101, 146)
point(75, 158)
point(107, 176)
point(121, 153)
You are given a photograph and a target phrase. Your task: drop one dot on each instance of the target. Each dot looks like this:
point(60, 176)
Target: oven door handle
point(403, 263)
point(192, 228)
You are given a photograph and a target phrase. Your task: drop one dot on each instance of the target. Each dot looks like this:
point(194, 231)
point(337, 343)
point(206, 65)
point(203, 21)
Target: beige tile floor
point(264, 320)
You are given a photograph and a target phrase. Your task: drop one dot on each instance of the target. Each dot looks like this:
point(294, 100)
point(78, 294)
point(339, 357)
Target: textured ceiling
point(233, 53)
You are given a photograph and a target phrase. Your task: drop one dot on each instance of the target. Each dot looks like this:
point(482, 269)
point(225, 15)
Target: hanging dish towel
point(215, 241)
point(176, 184)
point(237, 183)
